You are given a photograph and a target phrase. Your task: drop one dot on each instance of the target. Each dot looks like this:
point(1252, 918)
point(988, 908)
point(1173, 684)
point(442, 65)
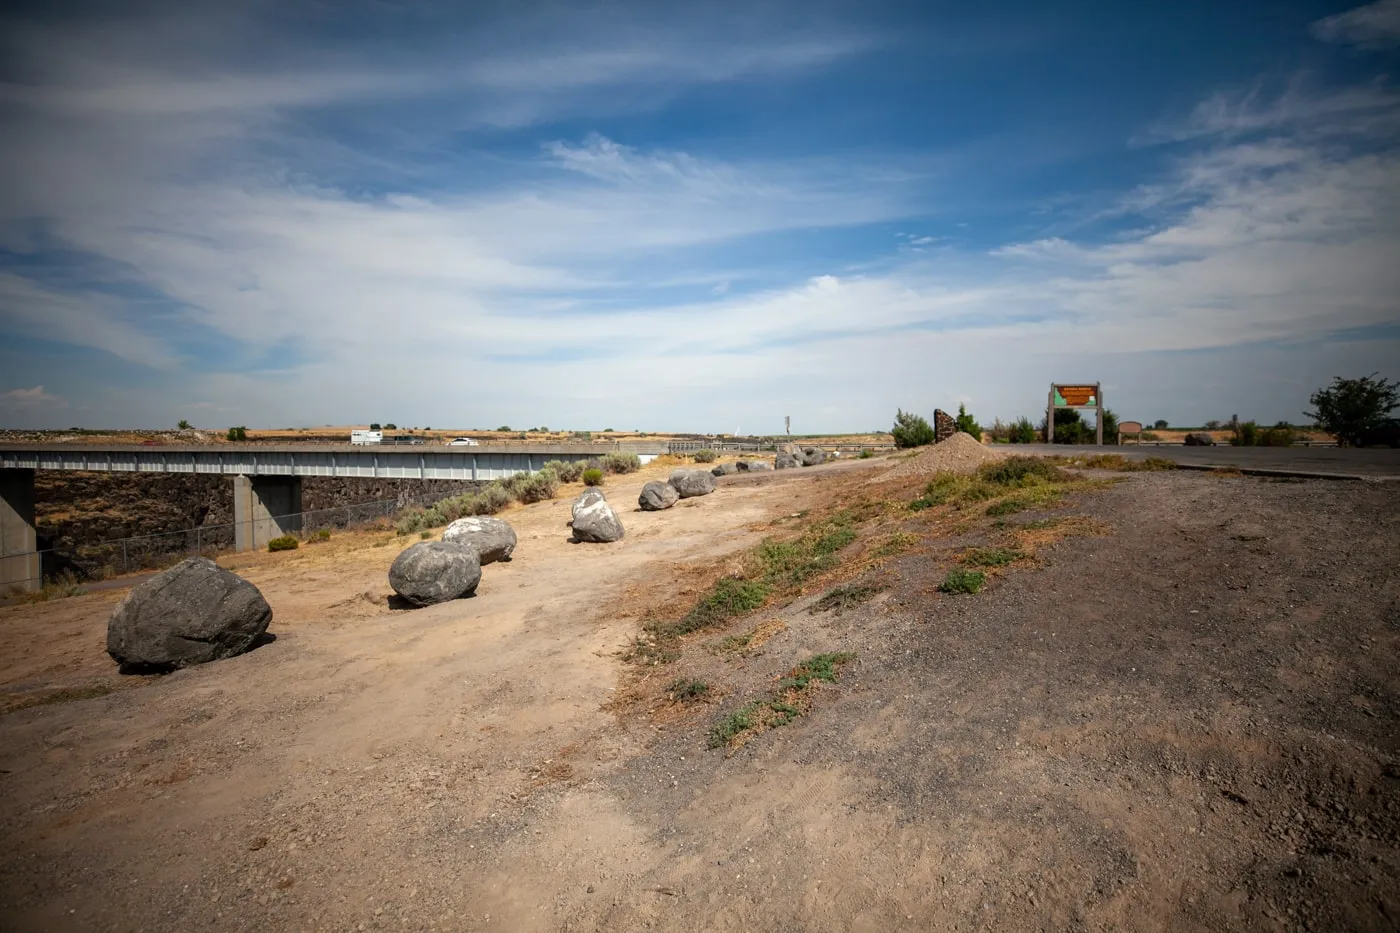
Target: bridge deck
point(377, 462)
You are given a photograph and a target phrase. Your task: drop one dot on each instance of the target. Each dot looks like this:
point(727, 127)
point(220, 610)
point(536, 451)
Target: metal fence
point(100, 559)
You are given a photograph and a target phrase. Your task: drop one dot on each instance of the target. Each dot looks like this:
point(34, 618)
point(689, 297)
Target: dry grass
point(747, 644)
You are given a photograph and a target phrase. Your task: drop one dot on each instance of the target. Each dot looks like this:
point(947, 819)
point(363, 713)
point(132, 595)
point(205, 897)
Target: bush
point(283, 543)
point(865, 454)
point(593, 477)
point(1280, 435)
point(323, 535)
point(619, 462)
point(968, 424)
point(424, 535)
point(911, 430)
point(568, 471)
point(1023, 432)
point(537, 487)
point(1245, 435)
point(706, 455)
point(1022, 471)
point(1351, 407)
point(239, 433)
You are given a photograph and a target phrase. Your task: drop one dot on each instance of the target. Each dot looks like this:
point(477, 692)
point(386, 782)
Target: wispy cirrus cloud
point(1373, 26)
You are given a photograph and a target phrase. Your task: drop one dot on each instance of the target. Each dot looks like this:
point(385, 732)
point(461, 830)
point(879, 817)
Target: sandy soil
point(1184, 721)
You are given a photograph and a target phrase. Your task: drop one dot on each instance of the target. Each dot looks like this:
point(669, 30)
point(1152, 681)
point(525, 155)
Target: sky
point(691, 217)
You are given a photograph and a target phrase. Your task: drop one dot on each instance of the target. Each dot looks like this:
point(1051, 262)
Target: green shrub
point(568, 471)
point(593, 477)
point(1280, 435)
point(1245, 435)
point(705, 455)
point(282, 543)
point(962, 581)
point(968, 424)
point(1023, 432)
point(619, 462)
point(911, 430)
point(424, 535)
point(865, 454)
point(323, 535)
point(238, 434)
point(537, 487)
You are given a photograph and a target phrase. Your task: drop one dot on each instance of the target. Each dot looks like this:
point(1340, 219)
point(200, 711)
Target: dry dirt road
point(1184, 720)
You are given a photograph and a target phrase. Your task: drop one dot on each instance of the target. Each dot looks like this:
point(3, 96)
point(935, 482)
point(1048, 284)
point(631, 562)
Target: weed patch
point(789, 700)
point(727, 598)
point(749, 643)
point(897, 543)
point(990, 556)
point(843, 598)
point(686, 690)
point(963, 581)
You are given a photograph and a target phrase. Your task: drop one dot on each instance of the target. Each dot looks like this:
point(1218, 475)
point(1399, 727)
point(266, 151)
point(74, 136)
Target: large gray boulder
point(755, 466)
point(811, 456)
point(432, 572)
point(595, 520)
point(192, 613)
point(690, 483)
point(493, 539)
point(784, 461)
point(657, 496)
point(1200, 440)
point(725, 469)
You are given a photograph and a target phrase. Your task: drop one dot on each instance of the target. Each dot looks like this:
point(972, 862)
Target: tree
point(968, 424)
point(239, 433)
point(502, 428)
point(390, 426)
point(1023, 431)
point(375, 427)
point(183, 425)
point(1349, 407)
point(911, 430)
point(1160, 424)
point(1212, 425)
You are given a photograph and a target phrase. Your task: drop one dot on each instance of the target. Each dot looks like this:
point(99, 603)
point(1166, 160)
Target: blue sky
point(691, 216)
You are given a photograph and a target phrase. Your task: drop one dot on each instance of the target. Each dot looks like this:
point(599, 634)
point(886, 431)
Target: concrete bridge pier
point(19, 555)
point(265, 507)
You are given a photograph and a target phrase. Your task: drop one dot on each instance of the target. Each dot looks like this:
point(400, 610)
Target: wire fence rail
point(98, 560)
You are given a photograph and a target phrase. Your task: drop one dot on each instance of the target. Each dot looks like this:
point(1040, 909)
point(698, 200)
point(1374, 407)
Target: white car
point(463, 442)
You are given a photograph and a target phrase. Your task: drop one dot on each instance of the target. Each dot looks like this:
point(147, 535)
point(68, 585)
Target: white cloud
point(1373, 26)
point(28, 398)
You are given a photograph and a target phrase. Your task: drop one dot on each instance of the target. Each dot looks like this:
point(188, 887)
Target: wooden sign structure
point(1074, 395)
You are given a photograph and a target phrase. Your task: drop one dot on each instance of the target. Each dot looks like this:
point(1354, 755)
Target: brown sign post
point(1074, 395)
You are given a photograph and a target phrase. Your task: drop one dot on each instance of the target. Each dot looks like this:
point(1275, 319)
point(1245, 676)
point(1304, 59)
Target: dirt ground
point(1182, 717)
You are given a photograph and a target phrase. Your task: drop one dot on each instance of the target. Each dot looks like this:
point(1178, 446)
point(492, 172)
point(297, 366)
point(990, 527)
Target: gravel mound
point(958, 454)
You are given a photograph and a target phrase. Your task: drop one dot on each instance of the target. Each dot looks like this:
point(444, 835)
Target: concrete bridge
point(266, 479)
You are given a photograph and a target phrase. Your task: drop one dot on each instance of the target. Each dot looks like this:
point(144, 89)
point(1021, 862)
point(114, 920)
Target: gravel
point(958, 454)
